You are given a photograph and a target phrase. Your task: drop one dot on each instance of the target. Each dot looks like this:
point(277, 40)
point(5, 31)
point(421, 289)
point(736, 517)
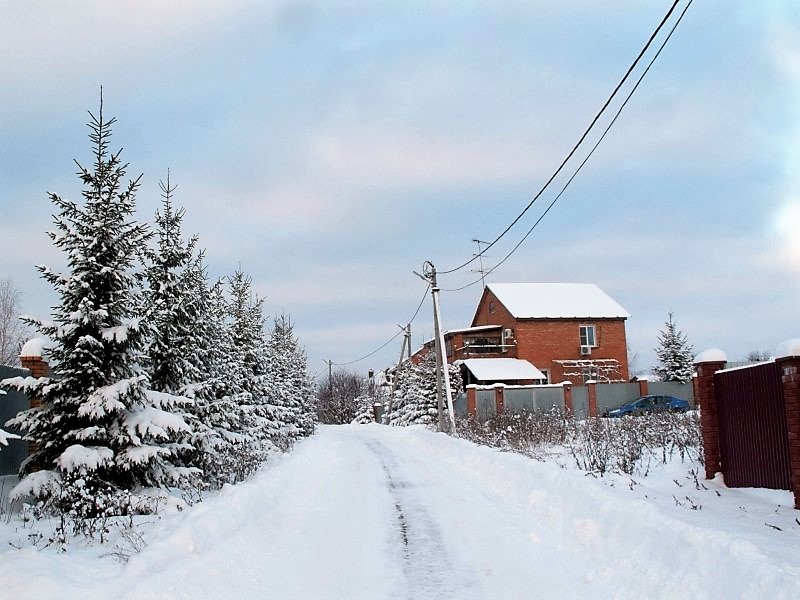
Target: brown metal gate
point(754, 443)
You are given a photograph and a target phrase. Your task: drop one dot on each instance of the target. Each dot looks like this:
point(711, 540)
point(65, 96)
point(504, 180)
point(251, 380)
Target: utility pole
point(406, 342)
point(442, 371)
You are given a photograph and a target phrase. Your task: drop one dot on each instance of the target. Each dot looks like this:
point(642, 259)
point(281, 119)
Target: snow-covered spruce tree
point(170, 307)
point(167, 301)
point(98, 433)
point(365, 413)
point(414, 399)
point(223, 445)
point(675, 354)
point(250, 371)
point(291, 392)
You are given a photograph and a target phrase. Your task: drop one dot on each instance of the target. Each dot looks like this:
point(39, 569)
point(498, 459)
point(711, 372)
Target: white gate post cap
point(33, 348)
point(710, 355)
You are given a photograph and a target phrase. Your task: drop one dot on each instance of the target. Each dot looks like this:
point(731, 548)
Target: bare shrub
point(525, 432)
point(597, 445)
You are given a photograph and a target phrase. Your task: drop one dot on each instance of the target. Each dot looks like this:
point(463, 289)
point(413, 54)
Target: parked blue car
point(650, 404)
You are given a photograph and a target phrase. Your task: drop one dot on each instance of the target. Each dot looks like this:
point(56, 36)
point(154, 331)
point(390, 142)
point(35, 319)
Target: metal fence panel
point(672, 388)
point(549, 398)
point(485, 405)
point(580, 402)
point(754, 440)
point(460, 404)
point(11, 403)
point(519, 400)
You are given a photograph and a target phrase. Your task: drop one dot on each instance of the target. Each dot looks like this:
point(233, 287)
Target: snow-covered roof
point(557, 301)
point(502, 369)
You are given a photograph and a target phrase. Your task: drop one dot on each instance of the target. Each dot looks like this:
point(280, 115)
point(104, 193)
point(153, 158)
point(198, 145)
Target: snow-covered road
point(359, 512)
point(376, 512)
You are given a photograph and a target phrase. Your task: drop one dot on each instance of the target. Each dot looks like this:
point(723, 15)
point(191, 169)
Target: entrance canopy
point(502, 369)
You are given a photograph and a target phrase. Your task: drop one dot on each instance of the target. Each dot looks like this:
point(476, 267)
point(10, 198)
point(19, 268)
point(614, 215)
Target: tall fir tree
point(169, 307)
point(223, 451)
point(98, 430)
point(675, 354)
point(290, 389)
point(249, 372)
point(167, 301)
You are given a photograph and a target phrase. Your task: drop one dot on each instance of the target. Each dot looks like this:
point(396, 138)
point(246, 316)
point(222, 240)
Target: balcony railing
point(484, 348)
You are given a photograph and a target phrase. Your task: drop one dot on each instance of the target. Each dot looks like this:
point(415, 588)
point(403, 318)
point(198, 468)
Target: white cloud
point(388, 158)
point(50, 36)
point(784, 49)
point(335, 285)
point(339, 174)
point(787, 226)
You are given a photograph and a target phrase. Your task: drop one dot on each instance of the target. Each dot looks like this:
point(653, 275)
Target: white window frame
point(587, 327)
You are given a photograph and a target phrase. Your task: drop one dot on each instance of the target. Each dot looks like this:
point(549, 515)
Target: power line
point(575, 147)
point(588, 156)
point(391, 339)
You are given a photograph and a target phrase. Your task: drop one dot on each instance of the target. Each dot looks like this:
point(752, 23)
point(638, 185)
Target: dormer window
point(587, 335)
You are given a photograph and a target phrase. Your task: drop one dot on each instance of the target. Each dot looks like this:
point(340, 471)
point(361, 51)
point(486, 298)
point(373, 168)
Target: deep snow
point(377, 512)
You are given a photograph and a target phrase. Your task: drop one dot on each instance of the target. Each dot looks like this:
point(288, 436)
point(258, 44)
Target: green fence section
point(11, 403)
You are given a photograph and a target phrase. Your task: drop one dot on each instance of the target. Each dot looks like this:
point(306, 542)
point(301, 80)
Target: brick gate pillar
point(567, 390)
point(591, 389)
point(499, 398)
point(31, 358)
point(707, 363)
point(472, 401)
point(788, 357)
point(644, 386)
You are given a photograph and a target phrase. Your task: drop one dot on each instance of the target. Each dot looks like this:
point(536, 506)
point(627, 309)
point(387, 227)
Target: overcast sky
point(332, 147)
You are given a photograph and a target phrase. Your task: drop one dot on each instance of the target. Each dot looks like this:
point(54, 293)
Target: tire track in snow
point(428, 567)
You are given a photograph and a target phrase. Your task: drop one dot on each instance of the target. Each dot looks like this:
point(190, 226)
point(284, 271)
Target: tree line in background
point(406, 395)
point(160, 377)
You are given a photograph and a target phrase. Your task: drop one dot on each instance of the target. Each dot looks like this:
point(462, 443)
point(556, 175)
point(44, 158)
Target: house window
point(546, 373)
point(587, 336)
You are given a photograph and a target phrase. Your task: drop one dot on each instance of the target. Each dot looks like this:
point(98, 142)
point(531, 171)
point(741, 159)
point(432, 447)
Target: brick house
point(568, 331)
